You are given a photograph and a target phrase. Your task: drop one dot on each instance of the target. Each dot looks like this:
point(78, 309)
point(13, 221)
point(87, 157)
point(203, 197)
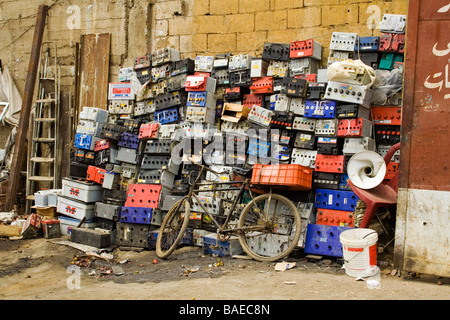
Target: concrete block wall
point(194, 27)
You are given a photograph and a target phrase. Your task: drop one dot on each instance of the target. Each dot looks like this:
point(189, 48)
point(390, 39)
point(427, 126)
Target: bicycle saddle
point(245, 172)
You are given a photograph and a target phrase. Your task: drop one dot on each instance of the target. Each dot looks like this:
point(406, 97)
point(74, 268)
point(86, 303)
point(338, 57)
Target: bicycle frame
point(245, 185)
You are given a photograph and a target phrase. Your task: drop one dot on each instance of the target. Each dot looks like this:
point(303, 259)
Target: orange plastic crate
point(294, 176)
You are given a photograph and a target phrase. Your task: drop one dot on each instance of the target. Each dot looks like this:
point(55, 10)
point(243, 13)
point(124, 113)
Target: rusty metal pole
point(22, 131)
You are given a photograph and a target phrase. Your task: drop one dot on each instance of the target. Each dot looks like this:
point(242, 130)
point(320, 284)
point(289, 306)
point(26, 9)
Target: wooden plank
point(94, 70)
point(22, 131)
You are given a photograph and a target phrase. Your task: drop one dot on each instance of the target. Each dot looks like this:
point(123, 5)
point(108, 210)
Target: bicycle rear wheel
point(173, 228)
point(279, 224)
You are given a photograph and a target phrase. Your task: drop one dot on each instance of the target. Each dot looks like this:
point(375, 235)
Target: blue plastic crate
point(336, 199)
point(320, 109)
point(324, 240)
point(136, 215)
point(166, 116)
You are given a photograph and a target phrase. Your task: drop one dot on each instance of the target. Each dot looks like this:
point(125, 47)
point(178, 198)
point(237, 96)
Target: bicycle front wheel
point(270, 227)
point(173, 228)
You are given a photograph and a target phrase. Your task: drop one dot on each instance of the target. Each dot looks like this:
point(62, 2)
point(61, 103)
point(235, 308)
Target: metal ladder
point(42, 167)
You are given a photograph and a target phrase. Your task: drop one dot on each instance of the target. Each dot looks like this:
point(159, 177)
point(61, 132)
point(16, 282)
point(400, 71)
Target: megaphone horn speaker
point(366, 169)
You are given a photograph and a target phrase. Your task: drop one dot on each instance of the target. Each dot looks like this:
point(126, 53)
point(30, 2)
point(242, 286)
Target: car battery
point(103, 144)
point(176, 83)
point(105, 157)
point(282, 103)
point(387, 134)
point(140, 108)
point(339, 56)
point(200, 83)
point(129, 140)
point(222, 76)
point(330, 163)
point(316, 91)
point(75, 209)
point(240, 62)
point(81, 190)
point(158, 146)
point(276, 51)
point(343, 183)
point(166, 116)
point(348, 93)
point(304, 157)
point(198, 235)
point(213, 205)
point(326, 127)
point(203, 63)
point(114, 197)
point(93, 114)
point(252, 99)
point(142, 62)
point(199, 130)
point(304, 124)
point(355, 145)
point(200, 114)
point(391, 42)
point(158, 176)
point(262, 85)
point(302, 67)
point(201, 99)
point(149, 130)
point(388, 60)
point(143, 75)
point(111, 180)
point(281, 153)
point(234, 93)
point(95, 174)
point(212, 245)
point(78, 170)
point(154, 162)
point(240, 78)
point(357, 127)
point(258, 68)
point(281, 120)
point(326, 180)
point(132, 235)
point(324, 240)
point(329, 145)
point(305, 48)
point(167, 131)
point(51, 228)
point(383, 150)
point(278, 69)
point(159, 88)
point(307, 214)
point(310, 77)
point(136, 215)
point(144, 195)
point(185, 66)
point(158, 217)
point(164, 55)
point(120, 91)
point(283, 137)
point(324, 109)
point(387, 116)
point(125, 74)
point(128, 155)
point(169, 100)
point(367, 44)
point(89, 127)
point(346, 111)
point(84, 156)
point(85, 141)
point(294, 87)
point(393, 23)
point(342, 41)
point(161, 72)
point(259, 148)
point(111, 131)
point(305, 140)
point(169, 200)
point(335, 199)
point(107, 211)
point(372, 59)
point(221, 60)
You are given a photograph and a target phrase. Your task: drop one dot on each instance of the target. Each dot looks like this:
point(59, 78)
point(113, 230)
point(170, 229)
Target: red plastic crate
point(335, 218)
point(143, 195)
point(293, 176)
point(330, 163)
point(149, 130)
point(95, 174)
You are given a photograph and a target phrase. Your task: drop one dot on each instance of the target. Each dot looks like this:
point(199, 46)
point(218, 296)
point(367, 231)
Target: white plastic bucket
point(359, 247)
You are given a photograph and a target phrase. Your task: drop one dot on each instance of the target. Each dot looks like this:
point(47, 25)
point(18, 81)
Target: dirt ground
point(38, 269)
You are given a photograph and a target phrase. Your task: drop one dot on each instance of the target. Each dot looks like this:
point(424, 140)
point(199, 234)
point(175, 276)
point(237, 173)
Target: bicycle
point(268, 227)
